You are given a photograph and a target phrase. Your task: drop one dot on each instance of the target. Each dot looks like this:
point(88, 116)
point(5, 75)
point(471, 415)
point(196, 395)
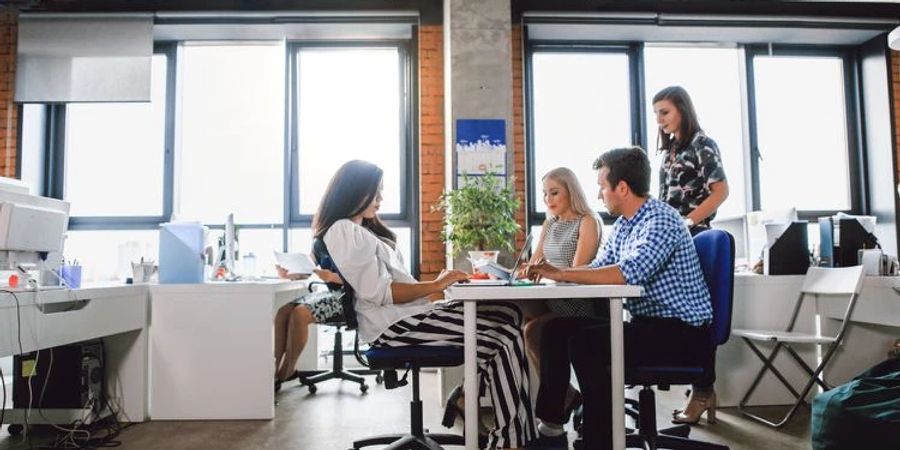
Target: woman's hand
point(283, 273)
point(448, 277)
point(543, 269)
point(522, 271)
point(328, 276)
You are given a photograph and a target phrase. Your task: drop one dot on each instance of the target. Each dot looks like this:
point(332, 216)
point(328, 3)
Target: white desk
point(470, 295)
point(118, 314)
point(211, 348)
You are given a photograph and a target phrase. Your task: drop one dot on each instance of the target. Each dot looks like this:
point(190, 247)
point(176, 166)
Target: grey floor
point(337, 414)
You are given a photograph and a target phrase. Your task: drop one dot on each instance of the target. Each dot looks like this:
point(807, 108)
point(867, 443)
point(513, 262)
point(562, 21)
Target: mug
point(142, 271)
point(870, 259)
point(890, 266)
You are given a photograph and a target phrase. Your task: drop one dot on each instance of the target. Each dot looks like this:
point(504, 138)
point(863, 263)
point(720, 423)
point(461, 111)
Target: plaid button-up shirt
point(654, 249)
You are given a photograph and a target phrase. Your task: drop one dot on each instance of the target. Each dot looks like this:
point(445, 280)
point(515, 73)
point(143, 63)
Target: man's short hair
point(629, 164)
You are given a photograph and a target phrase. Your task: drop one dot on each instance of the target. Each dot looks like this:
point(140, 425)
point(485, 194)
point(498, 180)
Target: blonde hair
point(577, 200)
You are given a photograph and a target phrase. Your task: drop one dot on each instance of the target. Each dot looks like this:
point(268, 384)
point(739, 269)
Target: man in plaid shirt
point(649, 246)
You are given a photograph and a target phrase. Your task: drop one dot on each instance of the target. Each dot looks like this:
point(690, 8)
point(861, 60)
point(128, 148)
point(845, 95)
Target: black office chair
point(346, 321)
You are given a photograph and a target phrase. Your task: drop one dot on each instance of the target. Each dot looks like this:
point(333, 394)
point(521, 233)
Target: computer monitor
point(32, 228)
point(737, 227)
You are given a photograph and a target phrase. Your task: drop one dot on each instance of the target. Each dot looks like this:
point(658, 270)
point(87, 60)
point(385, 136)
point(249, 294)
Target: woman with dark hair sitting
point(393, 309)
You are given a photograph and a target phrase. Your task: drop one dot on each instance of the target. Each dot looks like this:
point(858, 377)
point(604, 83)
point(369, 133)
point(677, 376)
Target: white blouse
point(369, 266)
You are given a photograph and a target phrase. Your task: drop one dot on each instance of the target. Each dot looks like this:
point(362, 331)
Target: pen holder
point(71, 275)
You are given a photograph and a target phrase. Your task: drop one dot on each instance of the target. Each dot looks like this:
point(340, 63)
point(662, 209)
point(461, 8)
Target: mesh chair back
point(716, 251)
point(323, 259)
point(833, 281)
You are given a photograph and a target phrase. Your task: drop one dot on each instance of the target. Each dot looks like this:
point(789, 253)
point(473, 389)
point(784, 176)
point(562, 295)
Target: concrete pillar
point(478, 68)
point(478, 84)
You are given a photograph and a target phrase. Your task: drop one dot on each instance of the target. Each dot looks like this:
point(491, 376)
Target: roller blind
point(65, 58)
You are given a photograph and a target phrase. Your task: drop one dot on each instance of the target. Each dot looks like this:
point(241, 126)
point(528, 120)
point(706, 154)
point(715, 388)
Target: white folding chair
point(820, 283)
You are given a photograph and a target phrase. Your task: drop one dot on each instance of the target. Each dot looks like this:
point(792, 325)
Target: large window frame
point(851, 110)
point(54, 158)
point(635, 51)
point(409, 199)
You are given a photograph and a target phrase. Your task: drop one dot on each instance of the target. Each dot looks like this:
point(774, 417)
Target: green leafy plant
point(480, 215)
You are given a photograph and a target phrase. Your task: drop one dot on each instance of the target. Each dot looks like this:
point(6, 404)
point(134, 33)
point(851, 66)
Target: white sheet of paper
point(295, 262)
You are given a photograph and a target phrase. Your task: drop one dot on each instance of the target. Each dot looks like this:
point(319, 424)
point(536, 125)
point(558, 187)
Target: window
point(580, 107)
point(115, 154)
point(232, 133)
point(784, 117)
point(214, 141)
point(801, 122)
point(712, 77)
point(349, 106)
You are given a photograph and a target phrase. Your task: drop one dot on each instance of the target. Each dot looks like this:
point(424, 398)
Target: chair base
point(428, 441)
point(311, 378)
point(648, 437)
point(418, 438)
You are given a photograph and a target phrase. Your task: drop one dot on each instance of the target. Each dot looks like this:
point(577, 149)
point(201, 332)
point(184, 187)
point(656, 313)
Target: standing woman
point(393, 309)
point(692, 180)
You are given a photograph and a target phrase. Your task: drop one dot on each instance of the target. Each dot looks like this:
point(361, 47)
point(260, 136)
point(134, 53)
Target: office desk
point(117, 314)
point(211, 348)
point(470, 295)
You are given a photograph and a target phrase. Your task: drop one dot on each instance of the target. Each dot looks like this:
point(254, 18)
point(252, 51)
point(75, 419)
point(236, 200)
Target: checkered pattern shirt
point(654, 249)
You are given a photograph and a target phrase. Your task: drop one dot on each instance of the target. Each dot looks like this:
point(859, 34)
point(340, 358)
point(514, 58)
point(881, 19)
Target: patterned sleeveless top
point(560, 244)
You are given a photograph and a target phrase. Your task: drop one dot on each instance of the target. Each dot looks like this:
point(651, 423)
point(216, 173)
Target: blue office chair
point(412, 359)
point(387, 361)
point(716, 251)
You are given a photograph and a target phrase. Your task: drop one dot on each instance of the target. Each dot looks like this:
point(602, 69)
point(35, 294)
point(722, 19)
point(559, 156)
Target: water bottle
point(250, 266)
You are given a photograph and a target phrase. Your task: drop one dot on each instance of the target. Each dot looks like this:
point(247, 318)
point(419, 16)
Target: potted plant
point(479, 216)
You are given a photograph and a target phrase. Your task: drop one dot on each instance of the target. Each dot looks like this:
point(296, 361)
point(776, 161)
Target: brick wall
point(895, 76)
point(431, 148)
point(8, 111)
point(518, 137)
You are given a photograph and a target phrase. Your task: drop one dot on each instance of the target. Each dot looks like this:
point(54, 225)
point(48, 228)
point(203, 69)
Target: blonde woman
point(570, 237)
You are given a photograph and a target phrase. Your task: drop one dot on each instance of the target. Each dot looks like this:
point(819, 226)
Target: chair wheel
point(15, 429)
point(312, 389)
point(363, 388)
point(379, 379)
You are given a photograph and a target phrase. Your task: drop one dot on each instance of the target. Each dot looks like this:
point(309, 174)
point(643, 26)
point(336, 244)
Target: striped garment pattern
point(502, 364)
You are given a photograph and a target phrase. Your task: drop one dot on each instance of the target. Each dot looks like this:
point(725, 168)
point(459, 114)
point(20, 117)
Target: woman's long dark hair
point(351, 190)
point(689, 125)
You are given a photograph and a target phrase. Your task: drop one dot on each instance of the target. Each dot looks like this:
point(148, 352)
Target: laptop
point(505, 276)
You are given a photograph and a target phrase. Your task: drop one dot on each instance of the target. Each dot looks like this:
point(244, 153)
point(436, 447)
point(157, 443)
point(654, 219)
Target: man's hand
point(328, 276)
point(543, 269)
point(448, 277)
point(283, 273)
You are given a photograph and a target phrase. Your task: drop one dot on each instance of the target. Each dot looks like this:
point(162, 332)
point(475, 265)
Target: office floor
point(337, 414)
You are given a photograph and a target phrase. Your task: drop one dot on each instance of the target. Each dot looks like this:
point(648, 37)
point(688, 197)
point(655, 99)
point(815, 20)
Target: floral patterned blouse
point(685, 179)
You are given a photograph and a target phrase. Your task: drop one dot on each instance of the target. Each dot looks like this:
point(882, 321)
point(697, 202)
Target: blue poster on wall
point(480, 146)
